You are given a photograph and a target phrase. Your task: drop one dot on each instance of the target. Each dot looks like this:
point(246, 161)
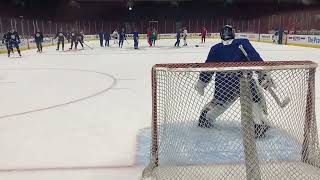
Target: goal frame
point(232, 66)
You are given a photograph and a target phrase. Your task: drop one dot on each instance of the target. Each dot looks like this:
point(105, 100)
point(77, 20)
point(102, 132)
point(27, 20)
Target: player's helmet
point(227, 32)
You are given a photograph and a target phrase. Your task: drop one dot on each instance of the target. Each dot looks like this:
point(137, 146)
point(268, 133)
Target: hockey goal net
point(230, 149)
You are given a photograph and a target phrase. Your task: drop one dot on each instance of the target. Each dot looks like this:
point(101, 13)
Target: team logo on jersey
point(60, 34)
point(13, 36)
point(38, 35)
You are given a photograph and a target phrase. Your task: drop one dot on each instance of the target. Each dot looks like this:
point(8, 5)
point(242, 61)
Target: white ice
point(76, 115)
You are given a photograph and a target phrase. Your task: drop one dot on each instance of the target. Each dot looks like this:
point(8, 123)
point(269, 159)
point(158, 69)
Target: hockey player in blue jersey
point(61, 36)
point(73, 38)
point(107, 38)
point(178, 36)
point(135, 38)
point(227, 84)
point(101, 36)
point(38, 38)
point(13, 41)
point(5, 40)
point(122, 37)
point(79, 39)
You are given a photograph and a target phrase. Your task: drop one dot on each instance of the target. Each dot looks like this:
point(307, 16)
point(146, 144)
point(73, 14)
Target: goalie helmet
point(227, 32)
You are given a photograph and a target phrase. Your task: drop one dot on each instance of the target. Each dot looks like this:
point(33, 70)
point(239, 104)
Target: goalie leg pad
point(211, 112)
point(259, 118)
point(258, 115)
point(260, 130)
point(203, 121)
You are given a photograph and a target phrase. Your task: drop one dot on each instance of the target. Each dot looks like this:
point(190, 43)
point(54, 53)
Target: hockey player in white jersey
point(185, 35)
point(115, 36)
point(227, 84)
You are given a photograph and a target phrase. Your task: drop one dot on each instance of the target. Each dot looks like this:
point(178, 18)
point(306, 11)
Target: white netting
point(187, 143)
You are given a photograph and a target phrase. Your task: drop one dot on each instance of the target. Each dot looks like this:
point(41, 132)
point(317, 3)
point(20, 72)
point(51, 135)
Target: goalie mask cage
point(181, 150)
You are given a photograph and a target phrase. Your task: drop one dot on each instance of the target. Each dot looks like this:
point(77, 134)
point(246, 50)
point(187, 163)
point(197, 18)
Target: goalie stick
point(282, 104)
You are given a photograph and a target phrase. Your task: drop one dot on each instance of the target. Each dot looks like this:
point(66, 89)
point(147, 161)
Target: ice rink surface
point(76, 114)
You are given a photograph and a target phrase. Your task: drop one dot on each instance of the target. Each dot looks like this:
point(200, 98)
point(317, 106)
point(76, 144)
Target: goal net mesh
point(230, 146)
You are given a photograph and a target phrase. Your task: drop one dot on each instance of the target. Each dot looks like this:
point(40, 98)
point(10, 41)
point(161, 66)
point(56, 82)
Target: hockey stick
point(282, 104)
point(259, 89)
point(87, 45)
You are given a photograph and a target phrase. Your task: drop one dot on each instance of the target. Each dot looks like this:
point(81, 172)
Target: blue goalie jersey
point(227, 84)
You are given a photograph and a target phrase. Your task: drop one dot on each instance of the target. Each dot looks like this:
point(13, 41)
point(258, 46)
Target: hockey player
point(38, 38)
point(227, 84)
point(149, 37)
point(73, 40)
point(122, 37)
point(280, 35)
point(101, 36)
point(14, 41)
point(275, 37)
point(79, 39)
point(61, 36)
point(135, 38)
point(115, 36)
point(185, 35)
point(107, 39)
point(177, 44)
point(68, 36)
point(154, 36)
point(5, 40)
point(203, 34)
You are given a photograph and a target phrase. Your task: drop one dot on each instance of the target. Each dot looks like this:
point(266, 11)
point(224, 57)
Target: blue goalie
point(227, 84)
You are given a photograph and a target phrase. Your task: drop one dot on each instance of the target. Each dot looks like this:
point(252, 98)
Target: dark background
point(118, 9)
point(93, 16)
